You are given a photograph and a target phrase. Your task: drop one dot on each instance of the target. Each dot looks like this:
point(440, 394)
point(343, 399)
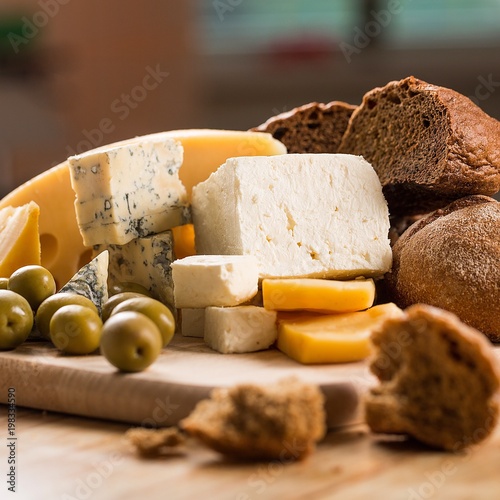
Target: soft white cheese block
point(192, 322)
point(239, 329)
point(91, 280)
point(214, 280)
point(145, 261)
point(129, 191)
point(301, 215)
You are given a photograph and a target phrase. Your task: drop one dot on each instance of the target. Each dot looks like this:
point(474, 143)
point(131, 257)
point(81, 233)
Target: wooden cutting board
point(169, 389)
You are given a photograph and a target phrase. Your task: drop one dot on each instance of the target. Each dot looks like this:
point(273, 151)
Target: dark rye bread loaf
point(451, 259)
point(312, 128)
point(438, 377)
point(429, 145)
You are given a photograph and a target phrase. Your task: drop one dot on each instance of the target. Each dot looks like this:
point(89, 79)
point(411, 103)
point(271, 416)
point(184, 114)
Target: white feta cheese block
point(128, 191)
point(300, 215)
point(214, 280)
point(239, 329)
point(192, 322)
point(145, 261)
point(91, 280)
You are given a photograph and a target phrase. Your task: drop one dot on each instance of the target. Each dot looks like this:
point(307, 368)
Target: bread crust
point(429, 145)
point(438, 377)
point(451, 259)
point(311, 128)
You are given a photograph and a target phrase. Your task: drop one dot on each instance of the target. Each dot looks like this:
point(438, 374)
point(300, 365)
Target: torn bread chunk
point(438, 380)
point(281, 421)
point(300, 215)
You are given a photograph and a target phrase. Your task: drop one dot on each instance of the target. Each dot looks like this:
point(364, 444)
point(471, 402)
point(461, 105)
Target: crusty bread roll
point(451, 259)
point(438, 380)
point(428, 144)
point(312, 128)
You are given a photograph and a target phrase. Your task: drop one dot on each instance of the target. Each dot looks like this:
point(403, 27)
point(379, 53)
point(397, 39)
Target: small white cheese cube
point(300, 215)
point(214, 280)
point(145, 261)
point(239, 329)
point(193, 322)
point(128, 191)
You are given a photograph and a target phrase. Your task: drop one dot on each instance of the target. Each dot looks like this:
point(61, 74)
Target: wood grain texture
point(184, 374)
point(63, 457)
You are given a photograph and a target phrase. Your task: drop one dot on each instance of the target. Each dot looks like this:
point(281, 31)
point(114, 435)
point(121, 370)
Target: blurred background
point(78, 74)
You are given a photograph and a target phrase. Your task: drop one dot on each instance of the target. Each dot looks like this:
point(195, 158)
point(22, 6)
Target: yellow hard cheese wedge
point(320, 295)
point(19, 238)
point(63, 252)
point(336, 338)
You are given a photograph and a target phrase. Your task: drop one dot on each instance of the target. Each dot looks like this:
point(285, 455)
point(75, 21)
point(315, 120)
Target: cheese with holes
point(19, 238)
point(311, 294)
point(332, 338)
point(145, 261)
point(129, 191)
point(193, 322)
point(239, 329)
point(62, 248)
point(214, 280)
point(91, 281)
point(301, 215)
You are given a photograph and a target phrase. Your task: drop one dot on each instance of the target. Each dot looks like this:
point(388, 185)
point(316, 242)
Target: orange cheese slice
point(320, 295)
point(333, 338)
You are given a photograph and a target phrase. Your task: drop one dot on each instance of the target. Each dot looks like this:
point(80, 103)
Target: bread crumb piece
point(155, 442)
point(281, 421)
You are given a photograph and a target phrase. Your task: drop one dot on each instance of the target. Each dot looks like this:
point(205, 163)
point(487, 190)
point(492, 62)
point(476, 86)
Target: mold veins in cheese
point(62, 248)
point(91, 281)
point(128, 192)
point(145, 261)
point(300, 215)
point(19, 238)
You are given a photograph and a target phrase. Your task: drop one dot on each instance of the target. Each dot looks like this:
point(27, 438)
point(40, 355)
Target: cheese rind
point(301, 215)
point(214, 280)
point(338, 338)
point(91, 281)
point(19, 238)
point(63, 251)
point(128, 192)
point(145, 261)
point(239, 329)
point(310, 294)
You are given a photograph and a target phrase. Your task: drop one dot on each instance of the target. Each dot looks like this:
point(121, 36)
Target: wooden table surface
point(64, 457)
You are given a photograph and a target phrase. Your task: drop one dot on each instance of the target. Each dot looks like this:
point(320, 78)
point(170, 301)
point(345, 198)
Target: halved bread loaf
point(312, 128)
point(428, 144)
point(438, 380)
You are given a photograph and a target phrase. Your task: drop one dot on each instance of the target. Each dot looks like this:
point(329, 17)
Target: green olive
point(16, 319)
point(130, 341)
point(76, 329)
point(114, 300)
point(4, 283)
point(128, 286)
point(50, 305)
point(34, 283)
point(154, 310)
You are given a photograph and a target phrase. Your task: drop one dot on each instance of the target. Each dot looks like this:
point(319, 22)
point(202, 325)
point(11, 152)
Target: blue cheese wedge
point(91, 281)
point(214, 280)
point(146, 261)
point(239, 329)
point(128, 191)
point(300, 215)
